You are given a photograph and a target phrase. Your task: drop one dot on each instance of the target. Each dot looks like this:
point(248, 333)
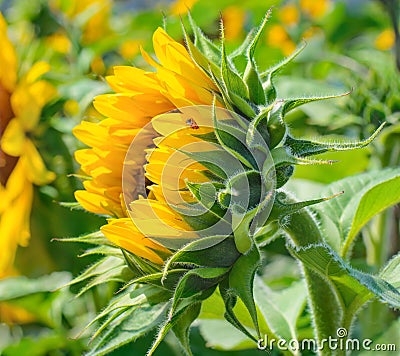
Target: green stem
point(325, 306)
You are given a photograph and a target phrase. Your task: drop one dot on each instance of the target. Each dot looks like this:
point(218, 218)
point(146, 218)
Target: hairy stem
point(325, 306)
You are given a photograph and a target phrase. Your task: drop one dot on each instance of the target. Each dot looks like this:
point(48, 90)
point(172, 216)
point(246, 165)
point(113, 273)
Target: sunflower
point(185, 164)
point(21, 102)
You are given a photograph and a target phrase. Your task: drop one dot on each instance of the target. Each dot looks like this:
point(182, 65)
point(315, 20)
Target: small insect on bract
point(192, 123)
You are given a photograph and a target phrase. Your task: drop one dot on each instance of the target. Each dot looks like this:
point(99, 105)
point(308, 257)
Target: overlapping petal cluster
point(139, 97)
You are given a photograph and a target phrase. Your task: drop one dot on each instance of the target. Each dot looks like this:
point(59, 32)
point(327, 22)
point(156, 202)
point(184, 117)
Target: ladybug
point(192, 123)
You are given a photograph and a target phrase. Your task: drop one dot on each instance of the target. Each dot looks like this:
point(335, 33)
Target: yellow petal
point(36, 170)
point(37, 70)
point(123, 233)
point(180, 86)
point(90, 133)
point(107, 176)
point(174, 57)
point(14, 186)
point(8, 59)
point(169, 196)
point(13, 140)
point(26, 108)
point(14, 225)
point(91, 201)
point(133, 80)
point(43, 92)
point(163, 218)
point(170, 122)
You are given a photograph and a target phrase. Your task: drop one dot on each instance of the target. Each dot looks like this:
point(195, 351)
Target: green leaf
point(47, 343)
point(270, 72)
point(203, 61)
point(282, 157)
point(391, 272)
point(117, 274)
point(95, 238)
point(211, 251)
point(230, 301)
point(281, 309)
point(253, 135)
point(17, 287)
point(353, 287)
point(186, 313)
point(231, 79)
point(254, 83)
point(207, 195)
point(283, 208)
point(194, 283)
point(241, 105)
point(347, 163)
point(276, 126)
point(42, 297)
point(140, 266)
point(167, 281)
point(232, 137)
point(182, 326)
point(127, 327)
point(71, 205)
point(204, 44)
point(123, 305)
point(221, 335)
point(251, 75)
point(244, 46)
point(307, 148)
point(224, 306)
point(290, 104)
point(218, 161)
point(103, 250)
point(365, 195)
point(268, 76)
point(241, 280)
point(107, 267)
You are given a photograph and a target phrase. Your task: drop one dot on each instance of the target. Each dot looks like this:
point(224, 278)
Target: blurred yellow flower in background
point(385, 40)
point(129, 49)
point(181, 7)
point(278, 37)
point(97, 65)
point(233, 18)
point(289, 15)
point(59, 42)
point(315, 8)
point(71, 107)
point(92, 16)
point(140, 96)
point(21, 103)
